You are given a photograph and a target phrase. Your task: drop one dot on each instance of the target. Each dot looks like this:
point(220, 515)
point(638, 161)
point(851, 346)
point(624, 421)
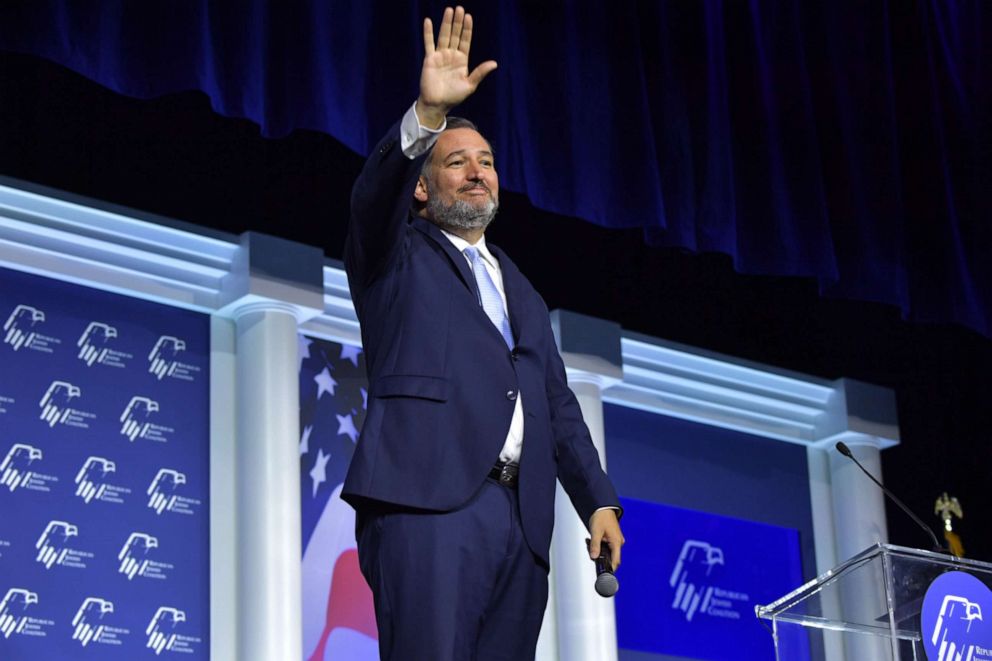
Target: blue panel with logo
point(690, 581)
point(953, 621)
point(104, 450)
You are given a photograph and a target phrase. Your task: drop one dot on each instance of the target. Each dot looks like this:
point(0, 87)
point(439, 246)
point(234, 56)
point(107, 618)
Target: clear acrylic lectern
point(867, 608)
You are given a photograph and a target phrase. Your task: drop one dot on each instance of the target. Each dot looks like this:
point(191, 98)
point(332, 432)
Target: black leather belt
point(506, 474)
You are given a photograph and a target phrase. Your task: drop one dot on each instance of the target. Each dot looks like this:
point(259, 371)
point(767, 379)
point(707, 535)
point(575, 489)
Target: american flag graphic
point(338, 618)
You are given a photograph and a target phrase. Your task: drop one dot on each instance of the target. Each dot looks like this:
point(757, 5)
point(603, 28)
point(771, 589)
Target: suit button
point(514, 355)
point(511, 395)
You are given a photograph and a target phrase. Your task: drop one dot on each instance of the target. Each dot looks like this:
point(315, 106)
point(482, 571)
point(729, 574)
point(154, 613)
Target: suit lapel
point(457, 259)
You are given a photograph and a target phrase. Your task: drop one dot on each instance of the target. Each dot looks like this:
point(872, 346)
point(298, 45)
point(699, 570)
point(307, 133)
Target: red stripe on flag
point(349, 604)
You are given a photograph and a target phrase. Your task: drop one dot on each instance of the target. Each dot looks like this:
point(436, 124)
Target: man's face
point(461, 187)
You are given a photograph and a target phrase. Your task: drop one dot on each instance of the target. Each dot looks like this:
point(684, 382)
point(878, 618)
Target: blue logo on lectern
point(953, 619)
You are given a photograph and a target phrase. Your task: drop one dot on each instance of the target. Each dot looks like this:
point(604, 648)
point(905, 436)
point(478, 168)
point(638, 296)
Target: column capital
point(269, 274)
point(577, 375)
point(858, 410)
point(247, 305)
point(590, 348)
point(857, 440)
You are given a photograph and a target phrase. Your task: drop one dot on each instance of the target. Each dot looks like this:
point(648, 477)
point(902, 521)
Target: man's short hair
point(461, 123)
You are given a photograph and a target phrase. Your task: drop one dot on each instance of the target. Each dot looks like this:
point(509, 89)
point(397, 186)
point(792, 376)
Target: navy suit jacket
point(443, 384)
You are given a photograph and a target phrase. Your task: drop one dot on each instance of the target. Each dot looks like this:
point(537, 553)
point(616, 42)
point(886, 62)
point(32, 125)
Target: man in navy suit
point(470, 419)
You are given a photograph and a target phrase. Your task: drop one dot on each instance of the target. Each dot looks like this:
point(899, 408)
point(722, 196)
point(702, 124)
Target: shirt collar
point(461, 244)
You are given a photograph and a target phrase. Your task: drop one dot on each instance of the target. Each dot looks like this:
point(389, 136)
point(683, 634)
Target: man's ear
point(420, 192)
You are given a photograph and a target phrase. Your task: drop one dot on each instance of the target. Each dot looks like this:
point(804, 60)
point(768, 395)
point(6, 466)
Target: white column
point(859, 522)
point(268, 483)
point(587, 629)
point(859, 505)
point(824, 540)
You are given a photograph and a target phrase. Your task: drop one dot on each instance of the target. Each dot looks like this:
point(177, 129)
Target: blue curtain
point(844, 141)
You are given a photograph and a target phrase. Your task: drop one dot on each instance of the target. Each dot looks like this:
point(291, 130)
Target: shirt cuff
point(415, 138)
point(600, 509)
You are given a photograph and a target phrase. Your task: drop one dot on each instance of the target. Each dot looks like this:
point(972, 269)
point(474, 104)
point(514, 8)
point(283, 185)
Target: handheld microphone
point(606, 581)
point(846, 451)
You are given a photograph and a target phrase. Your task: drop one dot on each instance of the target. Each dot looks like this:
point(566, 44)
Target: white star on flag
point(325, 383)
point(350, 352)
point(346, 426)
point(319, 471)
point(305, 440)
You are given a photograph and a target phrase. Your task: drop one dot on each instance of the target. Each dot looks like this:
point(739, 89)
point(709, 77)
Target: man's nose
point(478, 172)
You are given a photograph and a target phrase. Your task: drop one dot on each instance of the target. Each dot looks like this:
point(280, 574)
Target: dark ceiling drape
point(845, 141)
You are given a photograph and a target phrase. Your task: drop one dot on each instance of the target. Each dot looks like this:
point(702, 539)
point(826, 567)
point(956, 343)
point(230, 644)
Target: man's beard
point(461, 215)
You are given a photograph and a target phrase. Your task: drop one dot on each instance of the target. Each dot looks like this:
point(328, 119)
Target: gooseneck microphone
point(846, 451)
point(606, 581)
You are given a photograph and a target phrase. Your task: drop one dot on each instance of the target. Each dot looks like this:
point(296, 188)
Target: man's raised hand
point(445, 80)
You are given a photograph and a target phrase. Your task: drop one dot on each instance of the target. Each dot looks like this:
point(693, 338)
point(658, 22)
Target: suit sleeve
point(380, 208)
point(579, 469)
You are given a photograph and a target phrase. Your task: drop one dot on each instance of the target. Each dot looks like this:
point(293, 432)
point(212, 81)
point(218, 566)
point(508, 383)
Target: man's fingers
point(456, 27)
point(594, 545)
point(615, 554)
point(444, 35)
point(604, 528)
point(428, 37)
point(466, 39)
point(481, 72)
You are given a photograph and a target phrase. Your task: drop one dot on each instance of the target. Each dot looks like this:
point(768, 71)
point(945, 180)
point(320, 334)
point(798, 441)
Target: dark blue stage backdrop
point(104, 450)
point(845, 141)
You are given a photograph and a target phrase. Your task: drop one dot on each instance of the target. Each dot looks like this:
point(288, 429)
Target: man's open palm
point(445, 80)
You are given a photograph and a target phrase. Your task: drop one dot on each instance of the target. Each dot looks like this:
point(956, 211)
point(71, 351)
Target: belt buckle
point(508, 474)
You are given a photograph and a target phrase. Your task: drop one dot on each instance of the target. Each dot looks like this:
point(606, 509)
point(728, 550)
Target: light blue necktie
point(489, 296)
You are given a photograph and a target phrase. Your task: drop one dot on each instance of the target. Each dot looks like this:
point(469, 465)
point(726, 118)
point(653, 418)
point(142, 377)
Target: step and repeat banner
point(104, 451)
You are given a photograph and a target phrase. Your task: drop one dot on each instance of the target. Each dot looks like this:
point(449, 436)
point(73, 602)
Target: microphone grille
point(607, 585)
